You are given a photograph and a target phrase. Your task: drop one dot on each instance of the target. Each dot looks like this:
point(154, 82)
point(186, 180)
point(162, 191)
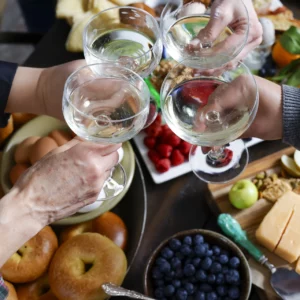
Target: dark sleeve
point(3, 289)
point(291, 115)
point(7, 74)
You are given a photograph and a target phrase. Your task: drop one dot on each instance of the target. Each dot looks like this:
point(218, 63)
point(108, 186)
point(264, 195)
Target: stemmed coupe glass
point(106, 103)
point(206, 99)
point(128, 36)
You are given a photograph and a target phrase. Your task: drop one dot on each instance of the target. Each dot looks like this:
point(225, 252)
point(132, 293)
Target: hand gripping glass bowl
point(109, 104)
point(211, 109)
point(202, 30)
point(128, 36)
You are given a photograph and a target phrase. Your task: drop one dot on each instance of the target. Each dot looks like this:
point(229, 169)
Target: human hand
point(65, 180)
point(228, 13)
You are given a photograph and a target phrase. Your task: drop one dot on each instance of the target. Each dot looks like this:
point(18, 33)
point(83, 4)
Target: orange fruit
point(281, 56)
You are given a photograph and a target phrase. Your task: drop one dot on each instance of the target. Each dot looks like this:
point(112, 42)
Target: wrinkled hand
point(66, 179)
point(229, 13)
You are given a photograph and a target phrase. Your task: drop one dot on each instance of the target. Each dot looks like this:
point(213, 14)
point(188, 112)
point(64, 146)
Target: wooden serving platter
point(251, 218)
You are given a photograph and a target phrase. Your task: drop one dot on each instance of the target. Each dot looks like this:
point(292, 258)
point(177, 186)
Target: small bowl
point(212, 238)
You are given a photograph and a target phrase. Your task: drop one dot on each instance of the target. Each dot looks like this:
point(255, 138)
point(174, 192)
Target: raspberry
point(150, 142)
point(157, 121)
point(164, 150)
point(172, 139)
point(177, 158)
point(165, 131)
point(154, 156)
point(163, 165)
point(185, 148)
point(153, 130)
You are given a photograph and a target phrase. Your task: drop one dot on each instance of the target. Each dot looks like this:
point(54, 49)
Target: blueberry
point(159, 292)
point(198, 239)
point(232, 277)
point(206, 263)
point(175, 263)
point(206, 246)
point(179, 255)
point(234, 262)
point(165, 267)
point(167, 253)
point(234, 292)
point(201, 276)
point(181, 294)
point(200, 250)
point(204, 287)
point(223, 259)
point(222, 290)
point(189, 270)
point(196, 262)
point(211, 296)
point(188, 240)
point(169, 276)
point(189, 287)
point(193, 279)
point(175, 244)
point(216, 267)
point(225, 270)
point(200, 296)
point(211, 278)
point(220, 278)
point(169, 290)
point(225, 252)
point(176, 283)
point(186, 250)
point(160, 260)
point(158, 282)
point(188, 261)
point(209, 253)
point(216, 250)
point(156, 273)
point(178, 273)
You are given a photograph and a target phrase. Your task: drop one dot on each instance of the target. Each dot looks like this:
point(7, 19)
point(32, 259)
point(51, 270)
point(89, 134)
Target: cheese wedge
point(125, 2)
point(298, 266)
point(289, 245)
point(74, 41)
point(69, 8)
point(273, 225)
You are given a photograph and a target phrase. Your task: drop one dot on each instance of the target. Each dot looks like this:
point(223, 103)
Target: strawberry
point(154, 156)
point(185, 148)
point(177, 158)
point(173, 140)
point(150, 142)
point(164, 150)
point(163, 165)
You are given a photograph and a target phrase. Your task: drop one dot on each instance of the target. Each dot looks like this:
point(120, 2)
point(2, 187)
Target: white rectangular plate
point(174, 171)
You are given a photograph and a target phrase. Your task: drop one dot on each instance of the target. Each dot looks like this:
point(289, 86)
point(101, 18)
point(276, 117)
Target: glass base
point(209, 169)
point(114, 185)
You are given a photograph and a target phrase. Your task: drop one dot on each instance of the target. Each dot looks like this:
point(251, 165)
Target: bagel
point(12, 295)
point(36, 290)
point(82, 264)
point(108, 224)
point(74, 230)
point(32, 259)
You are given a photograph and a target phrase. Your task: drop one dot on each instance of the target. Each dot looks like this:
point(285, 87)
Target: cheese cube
point(274, 223)
point(289, 245)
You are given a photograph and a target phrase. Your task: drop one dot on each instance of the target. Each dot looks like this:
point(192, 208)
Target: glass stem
point(217, 153)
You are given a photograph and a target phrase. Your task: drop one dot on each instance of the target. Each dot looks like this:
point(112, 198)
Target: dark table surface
point(176, 205)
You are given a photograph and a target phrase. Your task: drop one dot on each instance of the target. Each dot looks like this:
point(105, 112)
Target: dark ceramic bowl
point(212, 238)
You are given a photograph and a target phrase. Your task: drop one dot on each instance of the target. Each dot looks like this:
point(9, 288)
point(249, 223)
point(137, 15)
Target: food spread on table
point(85, 256)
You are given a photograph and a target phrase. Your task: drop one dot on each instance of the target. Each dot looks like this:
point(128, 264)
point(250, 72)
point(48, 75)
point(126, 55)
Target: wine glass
point(106, 103)
point(187, 32)
point(211, 110)
point(127, 35)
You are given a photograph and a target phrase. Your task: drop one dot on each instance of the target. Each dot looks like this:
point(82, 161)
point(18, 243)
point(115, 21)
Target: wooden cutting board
point(251, 218)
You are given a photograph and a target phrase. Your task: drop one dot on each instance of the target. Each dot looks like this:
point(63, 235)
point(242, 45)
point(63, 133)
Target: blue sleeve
point(7, 74)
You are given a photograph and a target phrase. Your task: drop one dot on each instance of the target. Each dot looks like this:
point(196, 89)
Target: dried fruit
point(275, 190)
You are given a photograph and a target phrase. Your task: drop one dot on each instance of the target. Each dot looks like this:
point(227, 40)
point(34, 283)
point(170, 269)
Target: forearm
point(16, 225)
point(24, 95)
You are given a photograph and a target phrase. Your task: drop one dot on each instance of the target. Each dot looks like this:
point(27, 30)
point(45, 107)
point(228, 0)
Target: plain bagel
point(82, 264)
point(36, 290)
point(32, 259)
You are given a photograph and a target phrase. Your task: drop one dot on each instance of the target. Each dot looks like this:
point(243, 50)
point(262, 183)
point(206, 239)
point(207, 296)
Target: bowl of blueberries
point(197, 264)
